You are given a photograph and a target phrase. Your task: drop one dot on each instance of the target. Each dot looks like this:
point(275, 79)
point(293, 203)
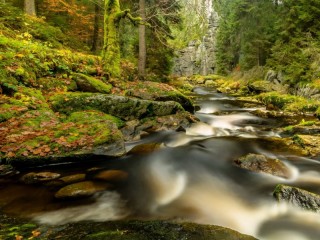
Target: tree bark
point(111, 43)
point(95, 37)
point(30, 7)
point(142, 40)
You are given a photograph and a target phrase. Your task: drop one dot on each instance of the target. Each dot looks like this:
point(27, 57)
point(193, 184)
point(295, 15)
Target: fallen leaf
point(36, 233)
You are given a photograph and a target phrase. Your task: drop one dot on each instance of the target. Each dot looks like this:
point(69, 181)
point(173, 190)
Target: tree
point(30, 7)
point(111, 43)
point(96, 26)
point(142, 40)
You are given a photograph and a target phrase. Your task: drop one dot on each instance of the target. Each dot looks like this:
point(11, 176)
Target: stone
point(112, 175)
point(126, 108)
point(7, 170)
point(90, 84)
point(262, 164)
point(81, 189)
point(73, 178)
point(40, 177)
point(144, 148)
point(297, 197)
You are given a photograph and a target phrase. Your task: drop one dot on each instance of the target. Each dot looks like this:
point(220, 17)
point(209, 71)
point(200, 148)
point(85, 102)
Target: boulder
point(297, 197)
point(265, 86)
point(81, 189)
point(6, 170)
point(123, 107)
point(90, 84)
point(73, 178)
point(157, 92)
point(260, 163)
point(39, 137)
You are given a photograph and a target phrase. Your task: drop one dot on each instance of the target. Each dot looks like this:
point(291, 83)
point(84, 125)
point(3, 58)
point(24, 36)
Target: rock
point(73, 178)
point(81, 189)
point(155, 91)
point(7, 170)
point(260, 163)
point(144, 148)
point(297, 197)
point(120, 230)
point(112, 175)
point(265, 86)
point(90, 84)
point(47, 138)
point(31, 178)
point(134, 129)
point(123, 107)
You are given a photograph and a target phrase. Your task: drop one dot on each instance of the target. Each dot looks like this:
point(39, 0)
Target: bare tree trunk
point(30, 7)
point(142, 40)
point(95, 38)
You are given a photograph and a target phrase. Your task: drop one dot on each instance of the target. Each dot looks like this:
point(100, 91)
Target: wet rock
point(308, 143)
point(33, 177)
point(112, 175)
point(260, 163)
point(298, 197)
point(134, 129)
point(73, 178)
point(81, 189)
point(7, 170)
point(144, 148)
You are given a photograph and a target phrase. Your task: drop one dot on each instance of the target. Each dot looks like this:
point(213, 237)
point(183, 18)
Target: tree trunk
point(111, 43)
point(30, 7)
point(142, 40)
point(95, 37)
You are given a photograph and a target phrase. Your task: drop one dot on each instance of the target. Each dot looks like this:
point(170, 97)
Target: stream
point(191, 177)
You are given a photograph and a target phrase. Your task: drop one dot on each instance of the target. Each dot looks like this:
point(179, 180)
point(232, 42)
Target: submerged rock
point(298, 197)
point(81, 189)
point(260, 163)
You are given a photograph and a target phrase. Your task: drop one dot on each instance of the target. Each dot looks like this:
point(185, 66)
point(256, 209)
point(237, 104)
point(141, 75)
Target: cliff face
point(199, 56)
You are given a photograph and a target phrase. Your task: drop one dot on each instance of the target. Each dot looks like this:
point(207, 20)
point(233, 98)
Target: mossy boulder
point(260, 163)
point(42, 136)
point(90, 84)
point(123, 107)
point(297, 197)
point(157, 92)
point(111, 175)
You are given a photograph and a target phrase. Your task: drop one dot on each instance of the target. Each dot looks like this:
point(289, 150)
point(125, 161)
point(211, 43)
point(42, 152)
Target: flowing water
point(192, 178)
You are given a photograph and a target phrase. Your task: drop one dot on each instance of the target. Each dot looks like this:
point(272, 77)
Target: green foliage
point(245, 33)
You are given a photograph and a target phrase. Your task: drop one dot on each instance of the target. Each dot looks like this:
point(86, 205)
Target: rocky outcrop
point(199, 56)
point(297, 197)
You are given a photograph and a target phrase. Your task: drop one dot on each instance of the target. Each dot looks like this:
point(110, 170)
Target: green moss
point(91, 84)
point(298, 140)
